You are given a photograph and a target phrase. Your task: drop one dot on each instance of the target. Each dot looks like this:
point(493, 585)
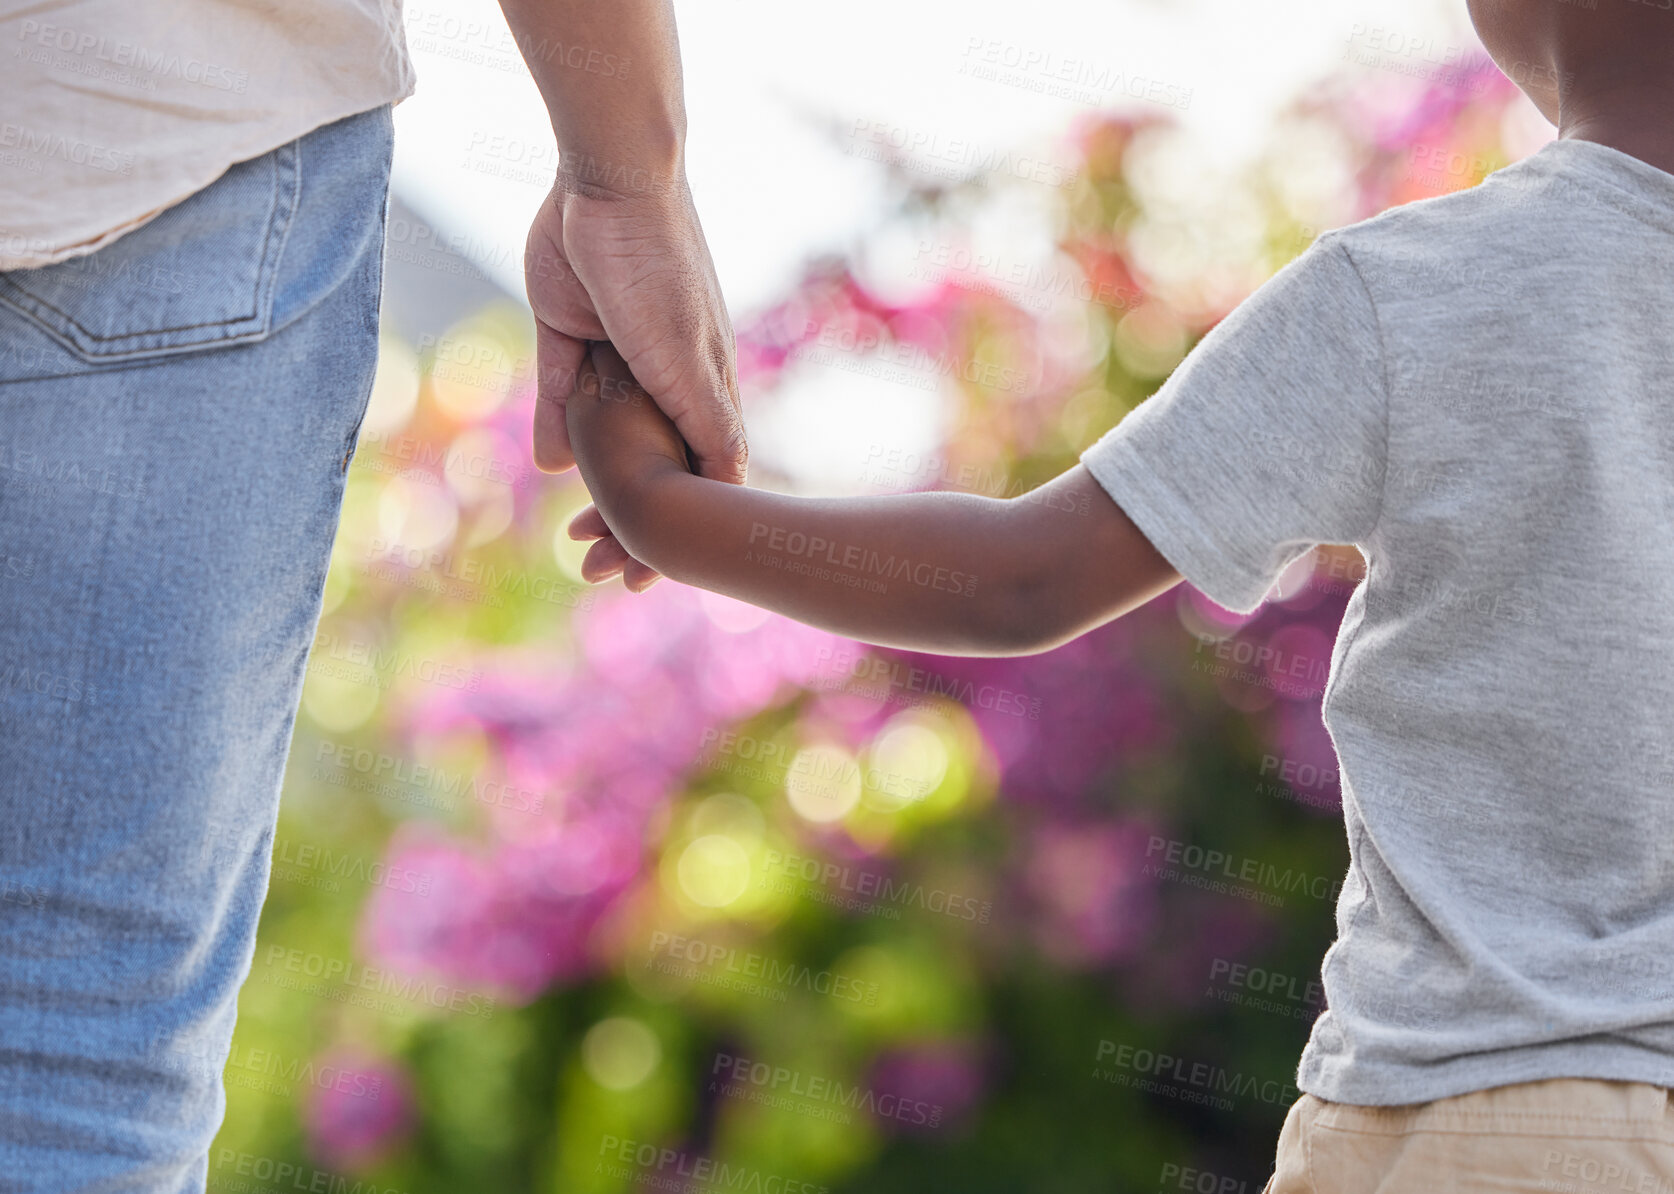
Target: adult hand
point(631, 266)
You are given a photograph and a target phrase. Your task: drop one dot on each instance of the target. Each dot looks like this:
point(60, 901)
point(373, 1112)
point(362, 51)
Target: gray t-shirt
point(1478, 392)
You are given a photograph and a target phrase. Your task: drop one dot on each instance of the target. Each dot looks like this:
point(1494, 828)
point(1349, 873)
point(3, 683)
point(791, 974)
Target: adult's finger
point(648, 275)
point(557, 359)
point(715, 434)
point(685, 361)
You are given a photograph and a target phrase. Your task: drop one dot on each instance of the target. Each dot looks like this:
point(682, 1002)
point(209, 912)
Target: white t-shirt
point(1478, 392)
point(112, 110)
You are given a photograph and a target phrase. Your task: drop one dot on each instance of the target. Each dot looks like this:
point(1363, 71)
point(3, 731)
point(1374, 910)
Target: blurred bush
point(581, 891)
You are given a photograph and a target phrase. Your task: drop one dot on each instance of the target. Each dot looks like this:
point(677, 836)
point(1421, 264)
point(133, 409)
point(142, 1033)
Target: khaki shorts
point(1562, 1135)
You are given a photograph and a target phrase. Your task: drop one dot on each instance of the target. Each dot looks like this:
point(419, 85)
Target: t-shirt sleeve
point(1269, 438)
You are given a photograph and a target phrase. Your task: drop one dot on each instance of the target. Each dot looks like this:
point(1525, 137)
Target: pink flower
point(1059, 721)
point(605, 742)
point(513, 920)
point(1302, 757)
point(359, 1109)
point(1093, 902)
point(932, 1086)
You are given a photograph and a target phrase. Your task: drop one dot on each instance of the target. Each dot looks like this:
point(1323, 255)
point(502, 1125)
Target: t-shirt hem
point(161, 198)
point(1171, 523)
point(1389, 1086)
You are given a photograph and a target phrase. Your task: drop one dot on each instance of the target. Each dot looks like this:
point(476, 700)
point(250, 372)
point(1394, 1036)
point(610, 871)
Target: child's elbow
point(1023, 618)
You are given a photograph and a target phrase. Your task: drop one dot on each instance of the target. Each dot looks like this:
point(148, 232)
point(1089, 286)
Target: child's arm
point(949, 573)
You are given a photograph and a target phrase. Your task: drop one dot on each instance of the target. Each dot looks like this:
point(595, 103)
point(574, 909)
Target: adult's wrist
point(648, 177)
point(643, 158)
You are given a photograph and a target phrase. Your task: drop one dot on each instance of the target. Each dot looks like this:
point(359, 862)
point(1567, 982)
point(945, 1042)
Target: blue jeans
point(177, 413)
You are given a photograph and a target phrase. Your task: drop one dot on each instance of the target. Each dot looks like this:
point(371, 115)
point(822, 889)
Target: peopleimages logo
point(892, 674)
point(161, 64)
point(264, 1069)
point(450, 784)
point(287, 1175)
point(639, 1163)
point(336, 864)
point(1217, 870)
point(1204, 1077)
point(383, 982)
point(757, 969)
point(18, 677)
point(70, 149)
point(853, 556)
point(391, 663)
point(874, 886)
point(777, 1085)
point(491, 580)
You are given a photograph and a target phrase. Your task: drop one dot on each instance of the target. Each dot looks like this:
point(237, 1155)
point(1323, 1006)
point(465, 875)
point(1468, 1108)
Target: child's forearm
point(948, 573)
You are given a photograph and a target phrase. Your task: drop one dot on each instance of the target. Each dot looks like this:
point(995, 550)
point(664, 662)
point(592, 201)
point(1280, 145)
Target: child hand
point(622, 442)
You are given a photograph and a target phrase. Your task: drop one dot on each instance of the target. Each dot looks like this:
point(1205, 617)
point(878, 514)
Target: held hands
point(632, 268)
point(623, 444)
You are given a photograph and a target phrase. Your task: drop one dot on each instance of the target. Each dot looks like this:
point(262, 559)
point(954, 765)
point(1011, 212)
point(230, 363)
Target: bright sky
point(474, 149)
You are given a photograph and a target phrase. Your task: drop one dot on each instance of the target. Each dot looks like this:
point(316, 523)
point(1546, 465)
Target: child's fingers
point(639, 577)
point(588, 524)
point(604, 560)
point(603, 356)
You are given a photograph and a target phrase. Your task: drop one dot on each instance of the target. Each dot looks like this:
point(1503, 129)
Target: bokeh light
point(569, 857)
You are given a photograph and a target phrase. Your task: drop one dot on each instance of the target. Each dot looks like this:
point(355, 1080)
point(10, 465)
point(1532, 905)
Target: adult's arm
point(616, 252)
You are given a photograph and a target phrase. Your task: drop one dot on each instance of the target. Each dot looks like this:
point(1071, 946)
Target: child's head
point(1568, 54)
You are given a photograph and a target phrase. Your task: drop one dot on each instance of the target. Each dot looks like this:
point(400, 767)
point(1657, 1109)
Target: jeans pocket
point(200, 275)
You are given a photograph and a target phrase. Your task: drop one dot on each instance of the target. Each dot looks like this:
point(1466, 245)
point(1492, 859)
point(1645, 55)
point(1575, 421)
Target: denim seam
point(353, 440)
point(289, 154)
